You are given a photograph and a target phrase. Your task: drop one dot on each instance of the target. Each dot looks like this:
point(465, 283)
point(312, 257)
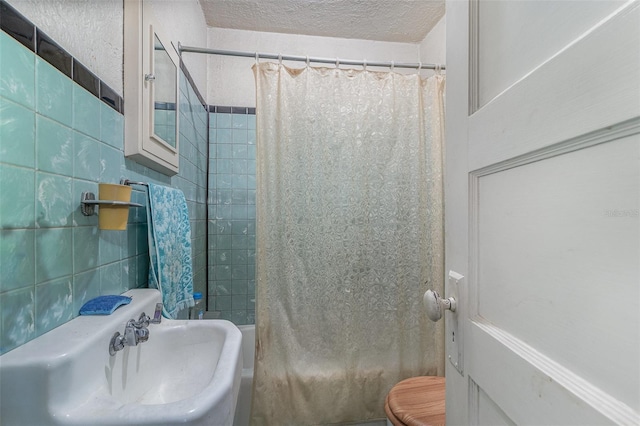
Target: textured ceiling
point(406, 21)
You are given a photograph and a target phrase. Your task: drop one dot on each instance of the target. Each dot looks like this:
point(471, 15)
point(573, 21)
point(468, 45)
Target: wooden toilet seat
point(417, 401)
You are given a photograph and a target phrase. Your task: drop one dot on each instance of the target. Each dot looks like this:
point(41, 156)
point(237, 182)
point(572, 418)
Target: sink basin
point(188, 372)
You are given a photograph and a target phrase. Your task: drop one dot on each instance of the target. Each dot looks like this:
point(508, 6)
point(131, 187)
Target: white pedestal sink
point(188, 372)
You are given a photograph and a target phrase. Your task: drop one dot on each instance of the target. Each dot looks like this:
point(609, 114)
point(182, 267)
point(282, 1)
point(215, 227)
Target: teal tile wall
point(232, 216)
point(56, 141)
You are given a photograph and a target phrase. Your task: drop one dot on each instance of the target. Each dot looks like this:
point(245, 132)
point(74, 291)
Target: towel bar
point(130, 182)
point(88, 202)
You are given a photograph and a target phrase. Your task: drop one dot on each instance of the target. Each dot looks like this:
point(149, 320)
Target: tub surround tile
point(239, 181)
point(17, 79)
point(240, 136)
point(222, 272)
point(239, 120)
point(223, 120)
point(239, 317)
point(17, 134)
point(232, 205)
point(223, 303)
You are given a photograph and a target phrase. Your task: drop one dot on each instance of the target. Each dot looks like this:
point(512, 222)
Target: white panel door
point(542, 182)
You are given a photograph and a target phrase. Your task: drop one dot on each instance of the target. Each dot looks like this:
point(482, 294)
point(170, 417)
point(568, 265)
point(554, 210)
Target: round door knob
point(435, 305)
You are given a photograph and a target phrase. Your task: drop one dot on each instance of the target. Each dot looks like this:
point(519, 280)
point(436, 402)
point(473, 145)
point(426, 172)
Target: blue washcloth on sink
point(104, 305)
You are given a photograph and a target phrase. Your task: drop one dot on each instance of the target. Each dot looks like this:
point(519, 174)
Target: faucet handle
point(142, 335)
point(157, 315)
point(143, 321)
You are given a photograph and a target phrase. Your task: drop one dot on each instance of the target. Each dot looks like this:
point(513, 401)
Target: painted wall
point(231, 80)
point(89, 30)
point(434, 46)
point(183, 21)
point(57, 140)
point(92, 32)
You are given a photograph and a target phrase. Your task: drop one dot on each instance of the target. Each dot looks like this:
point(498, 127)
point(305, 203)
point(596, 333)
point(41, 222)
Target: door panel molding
point(600, 136)
point(590, 404)
point(571, 93)
point(474, 56)
point(507, 349)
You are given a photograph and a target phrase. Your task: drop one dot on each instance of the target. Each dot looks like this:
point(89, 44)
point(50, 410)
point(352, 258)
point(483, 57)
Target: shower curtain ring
point(364, 65)
point(419, 66)
point(280, 58)
point(307, 60)
point(337, 62)
point(257, 58)
point(392, 64)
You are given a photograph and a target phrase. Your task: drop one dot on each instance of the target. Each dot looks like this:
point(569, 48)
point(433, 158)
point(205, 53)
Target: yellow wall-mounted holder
point(114, 201)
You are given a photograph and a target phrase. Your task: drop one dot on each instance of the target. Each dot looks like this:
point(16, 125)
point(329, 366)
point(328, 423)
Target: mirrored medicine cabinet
point(150, 91)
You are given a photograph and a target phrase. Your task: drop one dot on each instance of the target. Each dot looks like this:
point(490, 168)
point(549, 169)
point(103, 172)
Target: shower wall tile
point(223, 121)
point(232, 206)
point(57, 140)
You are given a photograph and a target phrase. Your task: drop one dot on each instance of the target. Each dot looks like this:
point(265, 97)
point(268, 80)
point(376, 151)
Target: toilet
point(417, 401)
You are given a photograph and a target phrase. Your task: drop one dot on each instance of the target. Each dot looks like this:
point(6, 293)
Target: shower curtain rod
point(337, 61)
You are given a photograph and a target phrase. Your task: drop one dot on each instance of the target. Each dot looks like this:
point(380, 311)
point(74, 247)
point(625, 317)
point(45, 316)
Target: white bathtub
point(243, 406)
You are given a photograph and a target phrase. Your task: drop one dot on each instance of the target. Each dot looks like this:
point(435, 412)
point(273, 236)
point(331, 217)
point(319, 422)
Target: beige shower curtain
point(349, 237)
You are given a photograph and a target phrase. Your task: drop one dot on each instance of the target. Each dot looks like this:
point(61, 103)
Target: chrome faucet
point(134, 332)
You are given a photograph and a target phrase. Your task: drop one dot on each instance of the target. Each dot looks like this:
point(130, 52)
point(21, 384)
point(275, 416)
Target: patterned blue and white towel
point(170, 268)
